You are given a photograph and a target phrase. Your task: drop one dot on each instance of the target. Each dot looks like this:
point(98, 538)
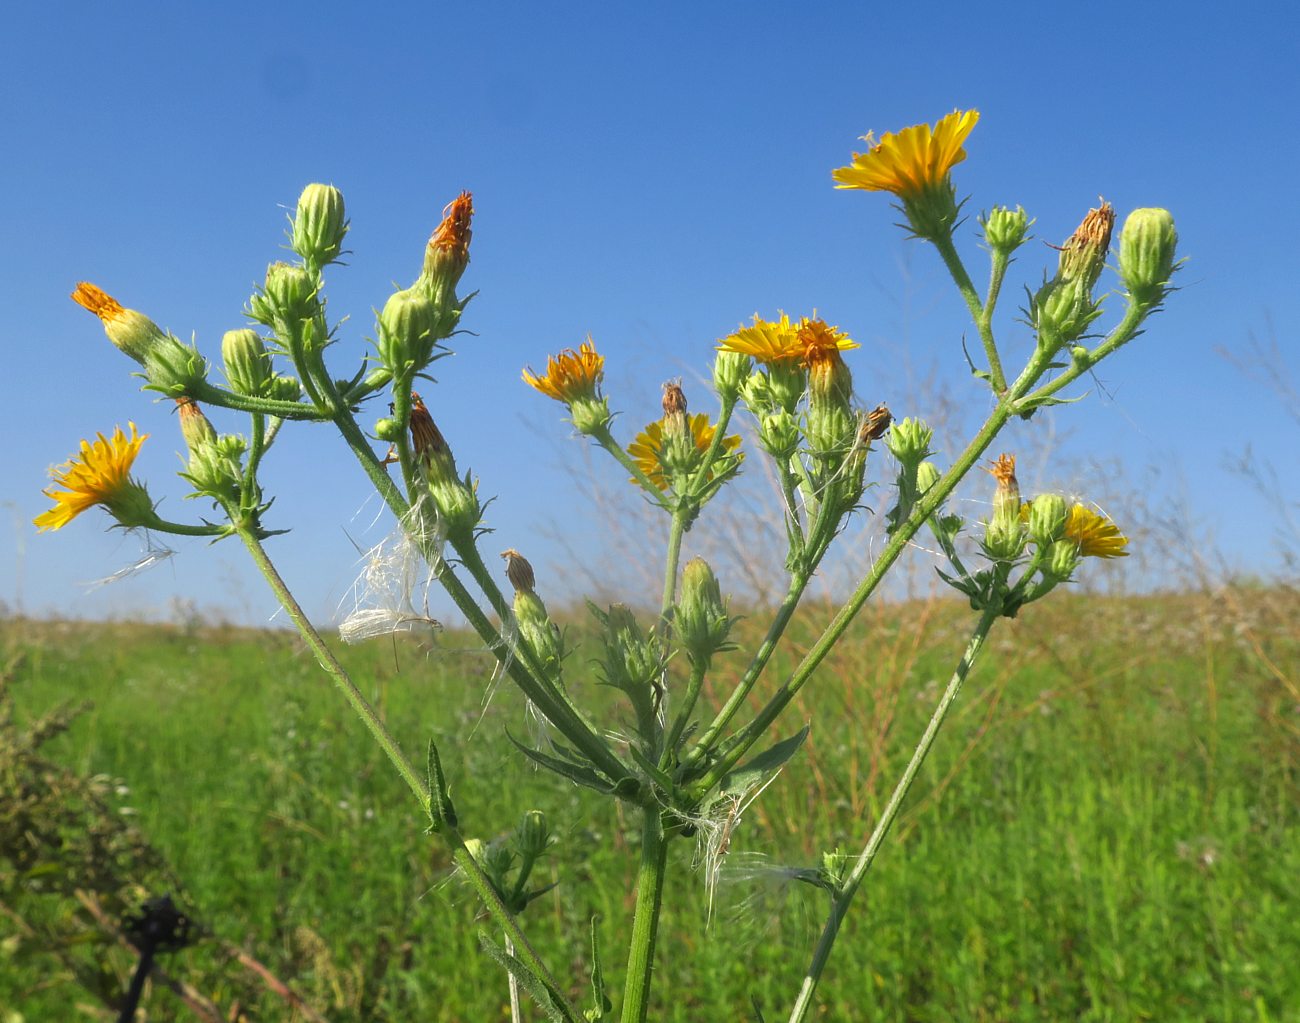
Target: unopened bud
point(388, 429)
point(730, 371)
point(285, 388)
point(319, 225)
point(195, 428)
point(927, 475)
point(1047, 516)
point(1146, 254)
point(533, 835)
point(701, 618)
point(909, 441)
point(1005, 229)
point(1062, 560)
point(407, 330)
point(247, 362)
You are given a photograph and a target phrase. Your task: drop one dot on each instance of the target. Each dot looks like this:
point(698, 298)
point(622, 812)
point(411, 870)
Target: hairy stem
point(645, 922)
point(840, 903)
point(983, 319)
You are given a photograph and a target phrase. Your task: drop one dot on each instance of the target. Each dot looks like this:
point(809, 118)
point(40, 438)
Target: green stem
point(924, 508)
point(606, 440)
point(523, 950)
point(222, 398)
point(1124, 332)
point(983, 319)
point(727, 406)
point(683, 716)
point(675, 533)
point(645, 921)
point(736, 700)
point(182, 529)
point(842, 899)
point(361, 707)
point(325, 657)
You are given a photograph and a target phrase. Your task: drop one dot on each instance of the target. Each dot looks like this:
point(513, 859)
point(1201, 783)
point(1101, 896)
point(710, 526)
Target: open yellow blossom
point(648, 448)
point(910, 162)
point(570, 375)
point(99, 475)
point(776, 341)
point(1095, 534)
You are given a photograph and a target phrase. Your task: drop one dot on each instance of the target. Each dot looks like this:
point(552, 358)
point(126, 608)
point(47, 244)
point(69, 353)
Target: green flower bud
point(247, 363)
point(408, 330)
point(533, 835)
point(1005, 229)
point(175, 369)
point(927, 475)
point(756, 392)
point(1047, 519)
point(589, 414)
point(632, 661)
point(778, 432)
point(319, 226)
point(453, 496)
point(1146, 254)
point(1062, 560)
point(195, 427)
point(388, 429)
point(909, 441)
point(287, 303)
point(730, 373)
point(1004, 541)
point(701, 618)
point(285, 388)
point(786, 382)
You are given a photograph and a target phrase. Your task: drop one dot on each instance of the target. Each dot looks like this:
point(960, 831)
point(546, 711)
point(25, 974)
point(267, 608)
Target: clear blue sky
point(650, 174)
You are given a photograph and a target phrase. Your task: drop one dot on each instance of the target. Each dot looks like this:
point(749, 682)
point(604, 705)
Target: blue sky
point(651, 175)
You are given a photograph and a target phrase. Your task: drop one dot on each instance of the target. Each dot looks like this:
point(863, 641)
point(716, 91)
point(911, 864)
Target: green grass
point(1109, 828)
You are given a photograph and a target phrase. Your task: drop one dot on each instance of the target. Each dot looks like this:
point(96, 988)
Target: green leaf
point(763, 766)
point(601, 1005)
point(441, 810)
point(578, 773)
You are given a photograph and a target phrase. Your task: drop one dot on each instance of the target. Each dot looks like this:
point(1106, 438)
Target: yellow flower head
point(99, 475)
point(911, 162)
point(648, 448)
point(780, 341)
point(1095, 534)
point(570, 375)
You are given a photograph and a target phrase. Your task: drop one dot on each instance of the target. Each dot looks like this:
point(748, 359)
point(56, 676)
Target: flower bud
point(927, 475)
point(132, 332)
point(287, 303)
point(1004, 541)
point(633, 661)
point(533, 835)
point(1146, 254)
point(319, 226)
point(1062, 559)
point(388, 429)
point(407, 331)
point(539, 634)
point(778, 432)
point(175, 369)
point(730, 371)
point(1047, 519)
point(701, 618)
point(247, 362)
point(195, 427)
point(1005, 229)
point(909, 441)
point(285, 388)
point(454, 497)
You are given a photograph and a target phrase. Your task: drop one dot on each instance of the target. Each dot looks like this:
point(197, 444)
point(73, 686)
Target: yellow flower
point(1095, 534)
point(97, 476)
point(774, 341)
point(910, 162)
point(647, 449)
point(570, 375)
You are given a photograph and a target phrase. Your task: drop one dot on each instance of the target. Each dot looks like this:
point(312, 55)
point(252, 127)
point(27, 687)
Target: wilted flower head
point(447, 253)
point(99, 475)
point(132, 332)
point(518, 570)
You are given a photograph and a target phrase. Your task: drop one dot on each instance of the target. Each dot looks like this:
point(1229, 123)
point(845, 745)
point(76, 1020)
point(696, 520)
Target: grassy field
point(1109, 828)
